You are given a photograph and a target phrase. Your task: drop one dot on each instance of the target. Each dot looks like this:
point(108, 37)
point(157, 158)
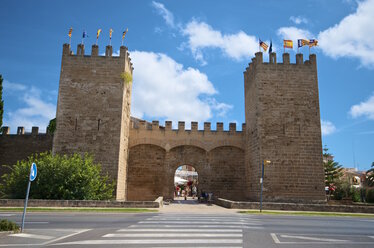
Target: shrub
point(67, 177)
point(6, 225)
point(356, 195)
point(342, 191)
point(370, 196)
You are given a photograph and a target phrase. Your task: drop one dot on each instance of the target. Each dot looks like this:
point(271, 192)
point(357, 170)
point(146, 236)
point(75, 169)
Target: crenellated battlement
point(155, 125)
point(143, 132)
point(21, 131)
point(123, 53)
point(258, 61)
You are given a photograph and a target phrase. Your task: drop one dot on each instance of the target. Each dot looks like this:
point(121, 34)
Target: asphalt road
point(188, 230)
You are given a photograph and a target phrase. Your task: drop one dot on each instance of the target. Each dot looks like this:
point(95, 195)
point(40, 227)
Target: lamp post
point(264, 162)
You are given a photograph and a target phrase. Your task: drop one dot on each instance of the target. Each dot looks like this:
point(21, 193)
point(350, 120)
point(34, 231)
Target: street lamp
point(264, 162)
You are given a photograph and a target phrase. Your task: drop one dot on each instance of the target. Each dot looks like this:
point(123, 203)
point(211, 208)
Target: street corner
point(37, 237)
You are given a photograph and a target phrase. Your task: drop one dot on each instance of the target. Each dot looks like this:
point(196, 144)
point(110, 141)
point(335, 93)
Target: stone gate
point(282, 124)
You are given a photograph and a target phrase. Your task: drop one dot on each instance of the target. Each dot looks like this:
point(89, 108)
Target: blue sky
point(190, 55)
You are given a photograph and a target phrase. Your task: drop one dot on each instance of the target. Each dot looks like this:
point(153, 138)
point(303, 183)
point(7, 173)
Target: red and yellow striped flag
point(70, 32)
point(124, 33)
point(263, 45)
point(110, 33)
point(98, 33)
point(288, 44)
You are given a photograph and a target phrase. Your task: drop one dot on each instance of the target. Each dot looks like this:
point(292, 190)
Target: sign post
point(33, 173)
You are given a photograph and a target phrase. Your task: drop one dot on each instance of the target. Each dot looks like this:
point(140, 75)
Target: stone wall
point(93, 110)
point(156, 152)
point(14, 147)
point(283, 125)
point(362, 208)
point(81, 203)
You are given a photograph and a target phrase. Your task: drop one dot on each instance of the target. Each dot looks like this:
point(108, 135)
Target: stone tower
point(283, 125)
point(93, 110)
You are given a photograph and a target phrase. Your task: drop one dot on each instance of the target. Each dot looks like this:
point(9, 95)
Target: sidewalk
point(179, 205)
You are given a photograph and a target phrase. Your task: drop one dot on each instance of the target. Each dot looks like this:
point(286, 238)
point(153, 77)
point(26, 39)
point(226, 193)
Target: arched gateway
point(282, 124)
point(218, 156)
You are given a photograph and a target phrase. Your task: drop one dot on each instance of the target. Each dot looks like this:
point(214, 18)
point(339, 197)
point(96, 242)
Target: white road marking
point(312, 238)
point(199, 226)
point(371, 237)
point(31, 236)
point(35, 222)
point(275, 238)
point(50, 241)
point(67, 236)
point(172, 235)
point(6, 215)
point(153, 241)
point(179, 231)
point(198, 222)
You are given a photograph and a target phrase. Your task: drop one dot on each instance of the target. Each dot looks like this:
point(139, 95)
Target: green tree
point(1, 103)
point(51, 128)
point(333, 171)
point(67, 177)
point(370, 176)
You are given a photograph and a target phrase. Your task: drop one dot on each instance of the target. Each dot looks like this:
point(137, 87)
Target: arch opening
point(186, 183)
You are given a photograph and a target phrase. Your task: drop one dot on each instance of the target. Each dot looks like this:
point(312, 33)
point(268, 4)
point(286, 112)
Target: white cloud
point(353, 36)
point(36, 111)
point(165, 13)
point(164, 89)
point(327, 127)
point(8, 86)
point(236, 46)
point(363, 109)
point(294, 33)
point(298, 19)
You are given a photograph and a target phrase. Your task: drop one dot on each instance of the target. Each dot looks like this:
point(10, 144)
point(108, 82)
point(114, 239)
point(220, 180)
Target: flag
point(110, 33)
point(263, 45)
point(313, 42)
point(70, 32)
point(287, 44)
point(302, 42)
point(271, 47)
point(98, 33)
point(124, 33)
point(85, 35)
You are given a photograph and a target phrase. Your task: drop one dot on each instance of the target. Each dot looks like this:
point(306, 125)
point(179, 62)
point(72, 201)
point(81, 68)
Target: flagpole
point(69, 40)
point(259, 46)
point(122, 42)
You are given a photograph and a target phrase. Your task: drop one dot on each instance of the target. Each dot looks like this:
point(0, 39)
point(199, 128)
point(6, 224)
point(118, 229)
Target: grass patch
point(78, 209)
point(305, 213)
point(6, 226)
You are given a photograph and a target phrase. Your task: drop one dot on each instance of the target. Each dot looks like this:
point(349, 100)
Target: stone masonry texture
point(93, 110)
point(282, 125)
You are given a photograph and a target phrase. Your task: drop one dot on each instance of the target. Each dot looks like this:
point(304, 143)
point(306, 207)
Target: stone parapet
point(142, 132)
point(321, 207)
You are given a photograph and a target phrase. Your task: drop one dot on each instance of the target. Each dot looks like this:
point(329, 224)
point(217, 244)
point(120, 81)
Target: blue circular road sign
point(33, 172)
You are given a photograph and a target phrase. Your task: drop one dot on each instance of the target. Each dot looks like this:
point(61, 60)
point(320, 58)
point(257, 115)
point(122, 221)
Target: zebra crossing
point(179, 230)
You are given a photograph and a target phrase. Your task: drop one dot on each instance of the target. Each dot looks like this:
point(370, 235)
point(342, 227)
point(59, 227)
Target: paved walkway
point(179, 205)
